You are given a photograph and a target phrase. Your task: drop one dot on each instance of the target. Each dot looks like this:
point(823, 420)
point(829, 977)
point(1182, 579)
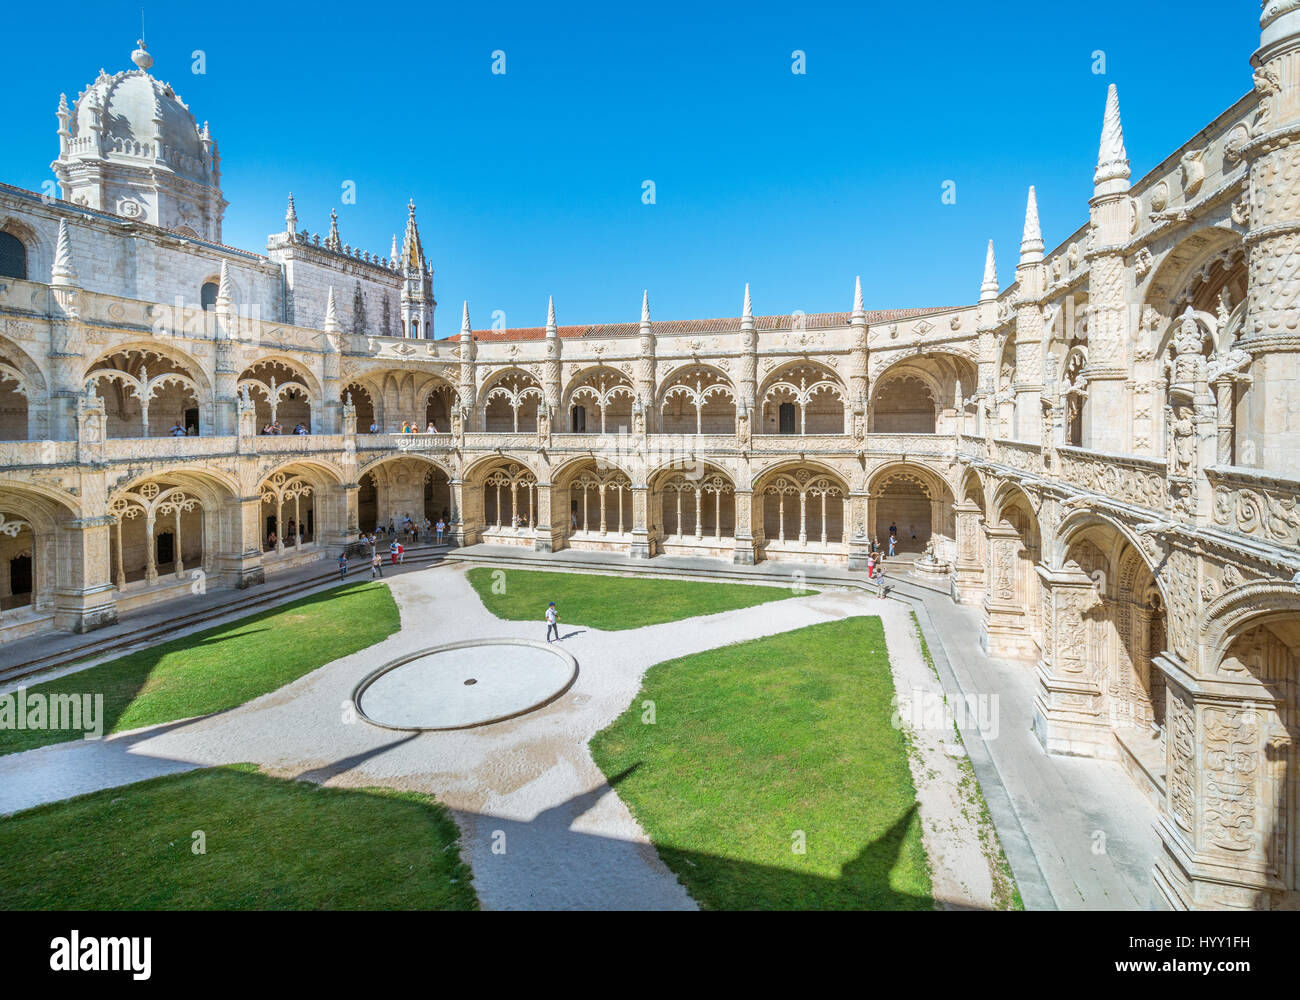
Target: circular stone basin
point(464, 684)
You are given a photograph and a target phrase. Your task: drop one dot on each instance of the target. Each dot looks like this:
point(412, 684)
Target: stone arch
point(395, 487)
point(24, 395)
point(802, 397)
point(1013, 604)
point(33, 524)
point(39, 250)
point(149, 389)
point(363, 401)
point(920, 502)
point(511, 399)
point(1233, 780)
point(598, 396)
point(697, 398)
point(303, 507)
point(693, 510)
point(166, 526)
point(502, 497)
point(898, 400)
point(283, 391)
point(801, 513)
point(594, 501)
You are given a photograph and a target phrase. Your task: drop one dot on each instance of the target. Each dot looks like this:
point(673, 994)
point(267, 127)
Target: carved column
point(855, 528)
point(1007, 631)
point(1069, 713)
point(1224, 826)
point(744, 551)
point(640, 548)
point(239, 560)
point(337, 509)
point(549, 534)
point(84, 596)
point(968, 570)
point(1271, 431)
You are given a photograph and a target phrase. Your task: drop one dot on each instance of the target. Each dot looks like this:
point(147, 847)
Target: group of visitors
point(374, 548)
point(876, 558)
point(273, 427)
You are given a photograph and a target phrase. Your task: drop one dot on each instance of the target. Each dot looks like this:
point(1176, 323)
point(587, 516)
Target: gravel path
point(540, 825)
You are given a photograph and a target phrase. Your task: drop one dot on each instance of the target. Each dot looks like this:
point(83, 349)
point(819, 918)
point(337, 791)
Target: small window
point(785, 414)
point(579, 422)
point(208, 295)
point(13, 257)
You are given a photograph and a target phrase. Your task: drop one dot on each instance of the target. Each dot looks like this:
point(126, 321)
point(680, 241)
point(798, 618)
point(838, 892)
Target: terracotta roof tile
point(730, 324)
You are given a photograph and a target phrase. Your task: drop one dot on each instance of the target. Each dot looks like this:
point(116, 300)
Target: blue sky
point(530, 183)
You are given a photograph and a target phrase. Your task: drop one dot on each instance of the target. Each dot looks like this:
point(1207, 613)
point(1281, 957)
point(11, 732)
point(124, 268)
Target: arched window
point(13, 257)
point(208, 295)
point(579, 425)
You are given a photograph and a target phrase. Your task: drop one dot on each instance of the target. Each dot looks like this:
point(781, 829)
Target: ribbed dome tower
point(130, 146)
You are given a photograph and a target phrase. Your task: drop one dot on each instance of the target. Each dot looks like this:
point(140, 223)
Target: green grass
point(224, 666)
point(611, 603)
point(269, 844)
point(756, 741)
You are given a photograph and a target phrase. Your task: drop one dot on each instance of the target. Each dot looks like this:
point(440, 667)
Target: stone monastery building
point(1103, 456)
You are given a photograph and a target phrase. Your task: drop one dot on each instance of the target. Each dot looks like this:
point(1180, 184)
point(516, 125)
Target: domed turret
point(131, 146)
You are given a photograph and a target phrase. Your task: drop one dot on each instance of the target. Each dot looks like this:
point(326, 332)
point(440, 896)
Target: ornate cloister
point(1098, 458)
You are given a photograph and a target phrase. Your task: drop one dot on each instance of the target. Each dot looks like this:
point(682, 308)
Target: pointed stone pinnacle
point(331, 313)
point(464, 321)
point(1031, 246)
point(64, 271)
point(1112, 175)
point(550, 312)
point(225, 297)
point(989, 289)
point(858, 306)
point(645, 307)
point(748, 311)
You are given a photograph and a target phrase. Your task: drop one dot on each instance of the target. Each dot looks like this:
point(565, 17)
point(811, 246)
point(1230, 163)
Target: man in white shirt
point(552, 622)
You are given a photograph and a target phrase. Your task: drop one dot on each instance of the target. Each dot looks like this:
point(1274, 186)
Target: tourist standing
point(552, 622)
point(392, 551)
point(441, 527)
point(343, 565)
point(401, 553)
point(880, 580)
point(871, 566)
point(178, 430)
point(376, 565)
point(893, 541)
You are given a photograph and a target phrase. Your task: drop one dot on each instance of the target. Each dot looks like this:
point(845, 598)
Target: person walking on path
point(343, 565)
point(880, 580)
point(871, 566)
point(392, 551)
point(401, 553)
point(893, 541)
point(376, 565)
point(552, 622)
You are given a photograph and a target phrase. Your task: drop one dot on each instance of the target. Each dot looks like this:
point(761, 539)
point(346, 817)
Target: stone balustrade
point(1127, 478)
point(1263, 507)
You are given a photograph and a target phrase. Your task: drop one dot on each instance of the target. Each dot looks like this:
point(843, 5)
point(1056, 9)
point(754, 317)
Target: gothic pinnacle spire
point(291, 217)
point(332, 241)
point(989, 289)
point(1031, 246)
point(1112, 175)
point(64, 271)
point(331, 313)
point(748, 312)
point(224, 297)
point(465, 330)
point(858, 307)
point(551, 328)
point(645, 307)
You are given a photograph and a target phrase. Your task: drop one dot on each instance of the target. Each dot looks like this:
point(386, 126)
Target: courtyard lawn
point(224, 666)
point(611, 603)
point(763, 746)
point(267, 844)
